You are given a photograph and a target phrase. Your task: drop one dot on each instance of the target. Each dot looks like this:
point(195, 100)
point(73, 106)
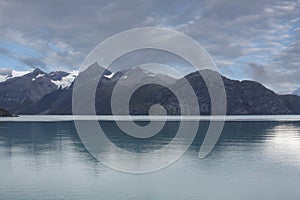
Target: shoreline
point(57, 118)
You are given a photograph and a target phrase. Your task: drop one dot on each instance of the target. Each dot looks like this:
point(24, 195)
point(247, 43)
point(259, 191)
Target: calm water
point(252, 160)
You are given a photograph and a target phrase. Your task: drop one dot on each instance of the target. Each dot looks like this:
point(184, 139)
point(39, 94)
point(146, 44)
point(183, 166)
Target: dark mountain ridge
point(243, 97)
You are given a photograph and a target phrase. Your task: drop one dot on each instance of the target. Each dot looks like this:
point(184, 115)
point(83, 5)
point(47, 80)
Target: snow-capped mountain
point(63, 79)
point(38, 92)
point(18, 89)
point(7, 73)
point(60, 78)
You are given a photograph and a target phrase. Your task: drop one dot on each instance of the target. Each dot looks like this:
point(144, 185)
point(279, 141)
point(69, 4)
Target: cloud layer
point(258, 39)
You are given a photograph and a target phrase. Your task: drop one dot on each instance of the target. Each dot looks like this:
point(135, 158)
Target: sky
point(256, 40)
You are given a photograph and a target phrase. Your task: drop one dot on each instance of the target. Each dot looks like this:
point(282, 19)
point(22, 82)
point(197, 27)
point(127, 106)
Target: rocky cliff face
point(16, 94)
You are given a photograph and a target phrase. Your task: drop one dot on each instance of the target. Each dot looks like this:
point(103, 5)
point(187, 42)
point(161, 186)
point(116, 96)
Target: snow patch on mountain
point(39, 76)
point(3, 78)
point(13, 74)
point(66, 81)
point(109, 76)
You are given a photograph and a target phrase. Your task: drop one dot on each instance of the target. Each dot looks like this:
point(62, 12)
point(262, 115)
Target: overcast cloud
point(258, 39)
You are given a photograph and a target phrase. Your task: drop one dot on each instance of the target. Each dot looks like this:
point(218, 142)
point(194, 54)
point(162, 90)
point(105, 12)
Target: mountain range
point(38, 92)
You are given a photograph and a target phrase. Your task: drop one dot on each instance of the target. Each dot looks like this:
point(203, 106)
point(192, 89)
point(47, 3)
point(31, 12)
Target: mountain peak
point(38, 71)
point(8, 73)
point(96, 68)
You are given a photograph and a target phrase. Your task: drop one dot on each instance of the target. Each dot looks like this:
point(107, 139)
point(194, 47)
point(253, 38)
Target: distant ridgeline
point(38, 92)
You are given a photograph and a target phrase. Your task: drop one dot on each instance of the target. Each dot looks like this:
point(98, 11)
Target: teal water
point(252, 160)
